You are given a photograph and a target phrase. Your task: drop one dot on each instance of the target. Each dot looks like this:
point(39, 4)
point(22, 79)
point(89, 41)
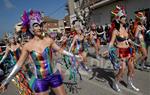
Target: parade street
point(99, 82)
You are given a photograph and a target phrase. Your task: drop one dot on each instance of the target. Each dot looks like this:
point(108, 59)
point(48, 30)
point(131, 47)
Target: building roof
point(49, 19)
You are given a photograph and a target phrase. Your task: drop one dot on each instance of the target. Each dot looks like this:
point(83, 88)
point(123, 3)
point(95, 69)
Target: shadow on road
point(103, 75)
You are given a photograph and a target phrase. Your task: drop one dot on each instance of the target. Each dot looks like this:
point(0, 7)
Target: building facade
point(54, 25)
point(102, 14)
point(101, 9)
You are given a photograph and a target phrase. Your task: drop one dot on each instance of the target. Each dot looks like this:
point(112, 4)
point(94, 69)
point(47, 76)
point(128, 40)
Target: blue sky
point(11, 10)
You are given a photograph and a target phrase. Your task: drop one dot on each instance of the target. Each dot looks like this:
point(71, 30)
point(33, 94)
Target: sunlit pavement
point(99, 83)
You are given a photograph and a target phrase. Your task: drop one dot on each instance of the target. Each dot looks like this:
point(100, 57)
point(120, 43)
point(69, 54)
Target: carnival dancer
point(12, 49)
point(121, 42)
point(139, 32)
point(79, 47)
point(71, 64)
point(39, 48)
point(95, 41)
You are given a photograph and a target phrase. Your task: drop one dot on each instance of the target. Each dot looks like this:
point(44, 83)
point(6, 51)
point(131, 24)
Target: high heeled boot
point(130, 84)
point(116, 86)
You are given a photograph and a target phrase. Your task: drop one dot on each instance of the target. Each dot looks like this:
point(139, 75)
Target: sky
point(11, 11)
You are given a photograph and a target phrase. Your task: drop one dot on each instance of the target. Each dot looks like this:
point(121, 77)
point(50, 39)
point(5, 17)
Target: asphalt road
point(99, 82)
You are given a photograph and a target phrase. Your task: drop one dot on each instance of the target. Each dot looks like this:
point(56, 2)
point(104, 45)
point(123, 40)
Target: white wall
point(102, 15)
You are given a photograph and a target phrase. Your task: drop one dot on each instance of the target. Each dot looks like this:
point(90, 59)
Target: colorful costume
point(15, 55)
point(45, 77)
point(116, 54)
point(20, 79)
point(80, 47)
point(121, 55)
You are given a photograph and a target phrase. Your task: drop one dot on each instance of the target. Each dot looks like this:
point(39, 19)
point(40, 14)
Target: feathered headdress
point(31, 17)
point(118, 12)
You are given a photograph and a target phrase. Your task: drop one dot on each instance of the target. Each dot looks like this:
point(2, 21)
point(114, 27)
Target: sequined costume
point(44, 76)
